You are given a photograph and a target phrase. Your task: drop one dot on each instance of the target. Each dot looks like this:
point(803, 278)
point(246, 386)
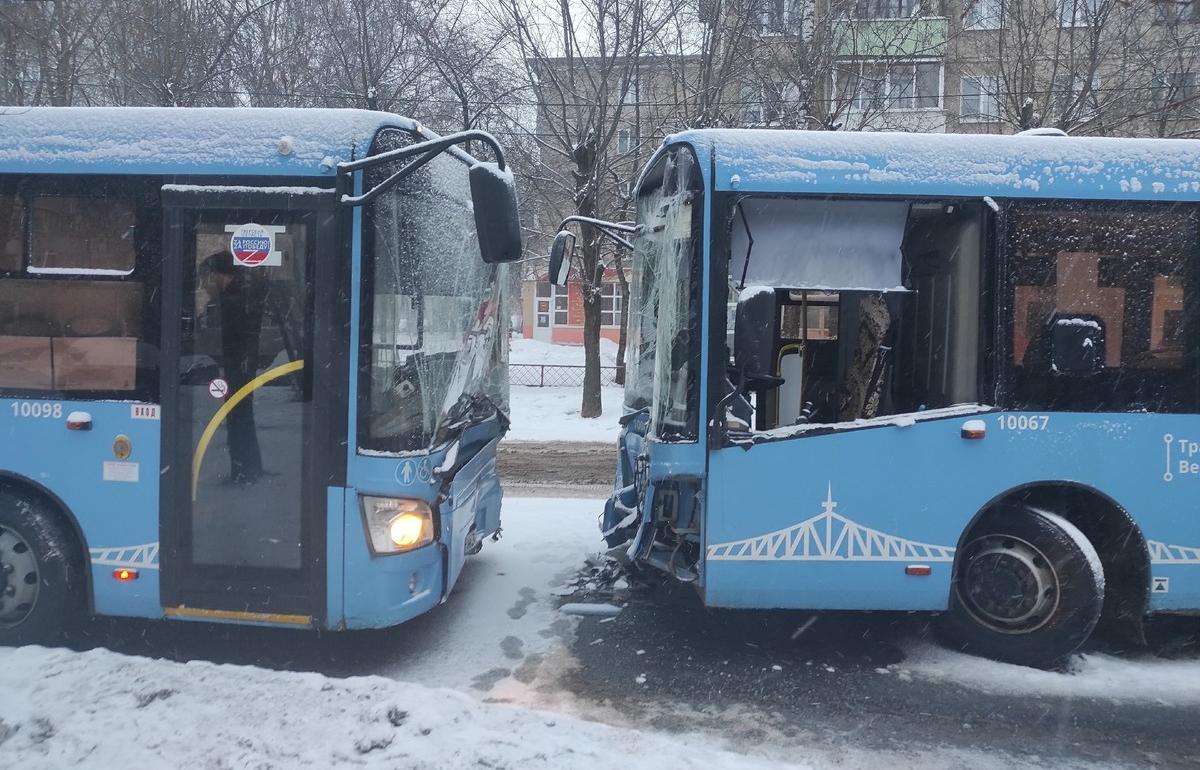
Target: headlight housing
point(396, 525)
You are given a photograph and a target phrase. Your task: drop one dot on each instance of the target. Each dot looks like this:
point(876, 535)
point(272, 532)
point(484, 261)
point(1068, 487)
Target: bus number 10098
point(36, 409)
point(1023, 421)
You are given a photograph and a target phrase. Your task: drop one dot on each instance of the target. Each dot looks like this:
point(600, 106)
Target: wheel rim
point(18, 578)
point(1007, 584)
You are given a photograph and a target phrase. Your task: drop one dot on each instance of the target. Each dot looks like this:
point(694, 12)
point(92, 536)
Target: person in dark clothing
point(240, 296)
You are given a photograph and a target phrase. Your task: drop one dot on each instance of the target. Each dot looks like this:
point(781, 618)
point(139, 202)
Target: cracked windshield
point(756, 385)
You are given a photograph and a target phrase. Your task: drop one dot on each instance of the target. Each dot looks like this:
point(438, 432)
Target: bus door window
point(244, 392)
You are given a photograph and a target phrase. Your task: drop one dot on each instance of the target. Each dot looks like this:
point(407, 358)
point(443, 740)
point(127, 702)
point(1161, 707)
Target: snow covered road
point(498, 677)
point(98, 709)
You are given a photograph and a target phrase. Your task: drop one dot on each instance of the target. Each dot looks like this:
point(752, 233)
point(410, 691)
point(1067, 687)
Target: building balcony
point(915, 37)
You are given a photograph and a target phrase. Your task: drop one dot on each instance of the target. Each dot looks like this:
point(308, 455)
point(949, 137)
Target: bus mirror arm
point(427, 152)
point(493, 192)
point(610, 230)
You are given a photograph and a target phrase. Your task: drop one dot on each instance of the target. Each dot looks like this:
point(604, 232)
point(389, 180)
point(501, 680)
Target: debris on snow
point(579, 608)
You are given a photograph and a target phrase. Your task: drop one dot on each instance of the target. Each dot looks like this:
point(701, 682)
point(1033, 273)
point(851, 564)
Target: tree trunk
point(591, 272)
point(592, 406)
point(624, 335)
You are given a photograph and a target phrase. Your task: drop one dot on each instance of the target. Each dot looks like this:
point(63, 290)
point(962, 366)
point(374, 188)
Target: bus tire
point(1028, 589)
point(41, 572)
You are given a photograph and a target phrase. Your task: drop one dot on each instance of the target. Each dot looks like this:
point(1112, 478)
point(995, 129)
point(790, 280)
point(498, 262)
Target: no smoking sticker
point(218, 388)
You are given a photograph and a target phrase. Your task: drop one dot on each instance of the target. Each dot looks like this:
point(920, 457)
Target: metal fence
point(556, 375)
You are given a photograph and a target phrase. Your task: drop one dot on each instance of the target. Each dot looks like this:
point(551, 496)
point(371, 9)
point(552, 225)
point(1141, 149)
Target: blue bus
point(954, 374)
point(252, 364)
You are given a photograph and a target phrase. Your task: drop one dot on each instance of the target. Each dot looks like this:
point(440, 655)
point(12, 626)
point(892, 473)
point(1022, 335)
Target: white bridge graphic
point(1165, 553)
point(829, 536)
point(143, 556)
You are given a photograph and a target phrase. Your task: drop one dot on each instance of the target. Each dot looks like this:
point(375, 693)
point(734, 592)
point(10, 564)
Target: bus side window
point(70, 314)
point(1127, 267)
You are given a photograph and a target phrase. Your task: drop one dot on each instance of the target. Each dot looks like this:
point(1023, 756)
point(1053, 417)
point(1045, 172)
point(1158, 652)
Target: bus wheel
point(1028, 589)
point(41, 584)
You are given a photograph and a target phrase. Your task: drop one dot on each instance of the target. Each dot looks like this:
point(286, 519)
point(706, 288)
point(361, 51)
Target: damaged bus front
point(916, 373)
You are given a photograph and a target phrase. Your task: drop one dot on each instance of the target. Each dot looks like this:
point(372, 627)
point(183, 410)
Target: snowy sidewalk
point(99, 709)
point(552, 413)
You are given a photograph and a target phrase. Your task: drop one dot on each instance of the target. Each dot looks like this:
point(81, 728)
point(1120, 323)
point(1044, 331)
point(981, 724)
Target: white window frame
point(1077, 13)
point(1074, 87)
point(890, 99)
point(556, 293)
point(989, 92)
point(776, 97)
point(627, 139)
point(989, 14)
point(630, 97)
point(772, 24)
point(1161, 16)
point(610, 290)
point(752, 106)
point(915, 10)
point(1182, 83)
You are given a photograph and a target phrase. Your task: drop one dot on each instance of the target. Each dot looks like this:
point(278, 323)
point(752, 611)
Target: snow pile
point(100, 709)
point(1146, 679)
point(523, 350)
point(552, 414)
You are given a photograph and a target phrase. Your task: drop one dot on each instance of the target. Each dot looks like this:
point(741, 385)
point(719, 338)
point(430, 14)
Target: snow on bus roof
point(185, 140)
point(887, 163)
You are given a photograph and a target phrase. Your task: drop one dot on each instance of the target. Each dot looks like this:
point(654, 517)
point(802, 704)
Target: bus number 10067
point(1023, 421)
point(36, 409)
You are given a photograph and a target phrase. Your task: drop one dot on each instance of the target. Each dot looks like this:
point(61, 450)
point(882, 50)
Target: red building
point(555, 314)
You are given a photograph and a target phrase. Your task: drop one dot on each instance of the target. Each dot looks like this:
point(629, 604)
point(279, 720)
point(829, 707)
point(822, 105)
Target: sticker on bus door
point(254, 245)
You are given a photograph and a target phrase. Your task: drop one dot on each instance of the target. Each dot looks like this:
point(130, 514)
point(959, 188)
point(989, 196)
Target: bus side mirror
point(1076, 344)
point(754, 331)
point(497, 220)
point(560, 257)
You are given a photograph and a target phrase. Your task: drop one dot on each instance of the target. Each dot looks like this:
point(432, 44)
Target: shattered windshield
point(661, 317)
point(433, 351)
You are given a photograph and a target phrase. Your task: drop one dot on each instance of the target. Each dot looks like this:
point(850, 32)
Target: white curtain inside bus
point(818, 244)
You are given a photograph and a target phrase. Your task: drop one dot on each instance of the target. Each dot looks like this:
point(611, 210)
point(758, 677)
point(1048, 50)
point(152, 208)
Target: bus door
point(245, 450)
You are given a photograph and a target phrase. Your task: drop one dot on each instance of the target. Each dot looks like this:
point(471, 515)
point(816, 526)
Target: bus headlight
point(395, 525)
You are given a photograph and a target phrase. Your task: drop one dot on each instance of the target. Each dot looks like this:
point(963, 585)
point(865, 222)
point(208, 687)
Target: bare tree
point(581, 60)
point(49, 48)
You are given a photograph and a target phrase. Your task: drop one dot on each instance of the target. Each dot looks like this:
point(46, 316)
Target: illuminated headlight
point(396, 525)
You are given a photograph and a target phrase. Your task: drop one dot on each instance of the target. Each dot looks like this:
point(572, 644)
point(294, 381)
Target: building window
point(886, 9)
point(1174, 11)
point(1173, 89)
point(1078, 13)
point(979, 98)
point(780, 102)
point(1068, 97)
point(610, 304)
point(631, 93)
point(983, 14)
point(779, 17)
point(560, 305)
point(752, 113)
point(542, 304)
point(874, 85)
point(627, 140)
